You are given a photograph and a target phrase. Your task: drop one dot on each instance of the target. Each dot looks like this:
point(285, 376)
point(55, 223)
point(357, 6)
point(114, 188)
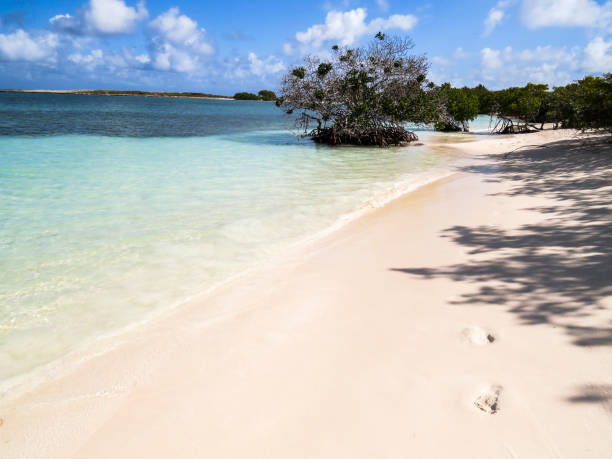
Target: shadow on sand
point(559, 270)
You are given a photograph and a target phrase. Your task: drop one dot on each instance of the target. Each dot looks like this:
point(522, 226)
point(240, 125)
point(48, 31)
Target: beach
point(487, 288)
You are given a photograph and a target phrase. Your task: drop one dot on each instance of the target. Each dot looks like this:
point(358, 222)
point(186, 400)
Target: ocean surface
point(115, 208)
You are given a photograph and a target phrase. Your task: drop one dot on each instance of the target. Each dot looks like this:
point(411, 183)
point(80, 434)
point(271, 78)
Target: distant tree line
point(584, 104)
point(113, 92)
point(261, 95)
point(365, 96)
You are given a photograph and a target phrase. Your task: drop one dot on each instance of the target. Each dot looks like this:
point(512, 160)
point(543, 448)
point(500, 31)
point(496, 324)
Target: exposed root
point(381, 136)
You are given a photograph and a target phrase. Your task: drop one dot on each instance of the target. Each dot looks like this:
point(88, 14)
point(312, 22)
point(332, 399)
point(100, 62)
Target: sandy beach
point(469, 318)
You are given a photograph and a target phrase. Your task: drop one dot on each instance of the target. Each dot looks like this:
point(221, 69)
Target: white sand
point(377, 340)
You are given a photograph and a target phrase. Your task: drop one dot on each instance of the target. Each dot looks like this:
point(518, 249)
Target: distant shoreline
point(112, 92)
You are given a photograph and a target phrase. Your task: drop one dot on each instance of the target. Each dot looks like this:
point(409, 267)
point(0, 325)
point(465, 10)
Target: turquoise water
point(100, 228)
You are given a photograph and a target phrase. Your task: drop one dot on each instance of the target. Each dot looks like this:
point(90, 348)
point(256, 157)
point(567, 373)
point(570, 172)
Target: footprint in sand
point(477, 335)
point(488, 401)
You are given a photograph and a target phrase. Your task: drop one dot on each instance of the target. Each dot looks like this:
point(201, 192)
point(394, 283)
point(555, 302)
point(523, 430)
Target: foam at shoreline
point(102, 341)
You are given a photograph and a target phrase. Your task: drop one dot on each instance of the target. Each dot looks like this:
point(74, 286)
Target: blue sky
point(224, 47)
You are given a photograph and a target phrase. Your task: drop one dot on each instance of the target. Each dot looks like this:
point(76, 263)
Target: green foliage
point(114, 92)
point(585, 104)
point(319, 94)
point(362, 95)
point(261, 95)
point(461, 107)
point(486, 99)
point(267, 95)
point(246, 96)
point(323, 69)
point(525, 104)
point(299, 72)
point(365, 95)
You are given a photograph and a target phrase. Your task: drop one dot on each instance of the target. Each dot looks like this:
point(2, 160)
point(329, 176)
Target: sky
point(246, 45)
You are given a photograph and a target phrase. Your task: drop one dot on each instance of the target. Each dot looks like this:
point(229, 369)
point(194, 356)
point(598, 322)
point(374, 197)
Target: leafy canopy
point(359, 94)
point(261, 95)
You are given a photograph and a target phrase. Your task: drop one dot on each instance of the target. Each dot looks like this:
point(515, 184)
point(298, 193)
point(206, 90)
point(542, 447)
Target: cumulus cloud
point(493, 19)
point(268, 66)
point(567, 13)
point(252, 67)
point(345, 28)
point(67, 23)
point(114, 16)
point(395, 21)
point(491, 60)
point(101, 17)
point(543, 64)
point(21, 46)
point(445, 69)
point(495, 16)
point(177, 43)
point(91, 60)
point(441, 61)
point(598, 56)
point(110, 62)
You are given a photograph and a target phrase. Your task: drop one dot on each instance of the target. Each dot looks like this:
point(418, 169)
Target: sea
point(113, 209)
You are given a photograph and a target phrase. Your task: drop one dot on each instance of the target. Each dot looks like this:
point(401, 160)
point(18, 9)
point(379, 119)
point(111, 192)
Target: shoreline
point(18, 385)
point(103, 92)
point(268, 359)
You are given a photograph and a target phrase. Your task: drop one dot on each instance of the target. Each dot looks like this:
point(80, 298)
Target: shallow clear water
point(103, 223)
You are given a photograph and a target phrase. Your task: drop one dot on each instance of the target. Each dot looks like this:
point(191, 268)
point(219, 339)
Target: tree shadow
point(559, 270)
point(594, 393)
point(560, 267)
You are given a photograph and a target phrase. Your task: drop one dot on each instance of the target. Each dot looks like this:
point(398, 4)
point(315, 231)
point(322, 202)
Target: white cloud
point(395, 21)
point(496, 16)
point(543, 64)
point(101, 17)
point(180, 30)
point(270, 65)
point(581, 13)
point(598, 56)
point(493, 19)
point(178, 43)
point(491, 60)
point(91, 60)
point(61, 18)
point(66, 23)
point(444, 69)
point(21, 46)
point(253, 68)
point(288, 48)
point(345, 28)
point(113, 16)
point(441, 61)
point(548, 54)
point(142, 58)
point(110, 62)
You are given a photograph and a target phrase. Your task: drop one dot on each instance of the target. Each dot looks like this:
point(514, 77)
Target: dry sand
point(470, 318)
